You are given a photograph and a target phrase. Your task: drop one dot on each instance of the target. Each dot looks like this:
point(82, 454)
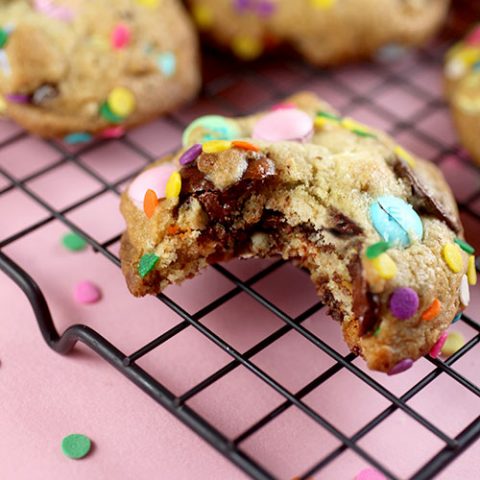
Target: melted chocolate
point(424, 201)
point(343, 225)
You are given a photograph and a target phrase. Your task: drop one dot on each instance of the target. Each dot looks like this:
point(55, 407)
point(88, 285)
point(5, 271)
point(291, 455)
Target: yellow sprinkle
point(351, 124)
point(174, 185)
point(404, 155)
point(121, 101)
point(455, 341)
point(323, 4)
point(3, 105)
point(149, 3)
point(320, 122)
point(472, 271)
point(216, 146)
point(453, 257)
point(469, 55)
point(385, 266)
point(247, 48)
point(203, 16)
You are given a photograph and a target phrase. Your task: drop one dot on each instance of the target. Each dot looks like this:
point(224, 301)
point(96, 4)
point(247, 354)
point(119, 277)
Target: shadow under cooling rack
point(222, 91)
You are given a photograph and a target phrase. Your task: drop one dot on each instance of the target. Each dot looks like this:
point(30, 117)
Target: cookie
point(325, 32)
point(376, 228)
point(77, 69)
point(462, 74)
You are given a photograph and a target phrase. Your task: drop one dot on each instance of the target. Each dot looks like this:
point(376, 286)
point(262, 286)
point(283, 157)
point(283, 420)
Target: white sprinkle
point(464, 291)
point(5, 64)
point(455, 68)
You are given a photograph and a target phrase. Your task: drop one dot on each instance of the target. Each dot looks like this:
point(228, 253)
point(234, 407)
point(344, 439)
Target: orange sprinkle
point(433, 310)
point(172, 229)
point(150, 203)
point(245, 145)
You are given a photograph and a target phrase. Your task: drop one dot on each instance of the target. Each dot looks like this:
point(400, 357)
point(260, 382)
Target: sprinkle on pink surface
point(369, 474)
point(86, 292)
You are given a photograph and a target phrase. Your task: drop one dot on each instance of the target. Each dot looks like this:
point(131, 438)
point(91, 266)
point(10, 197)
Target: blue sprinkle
point(167, 63)
point(391, 52)
point(78, 137)
point(396, 221)
point(476, 67)
point(457, 317)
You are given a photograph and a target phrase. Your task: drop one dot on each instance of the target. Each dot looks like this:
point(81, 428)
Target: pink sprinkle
point(86, 292)
point(437, 348)
point(48, 8)
point(120, 36)
point(474, 37)
point(283, 106)
point(369, 474)
point(113, 132)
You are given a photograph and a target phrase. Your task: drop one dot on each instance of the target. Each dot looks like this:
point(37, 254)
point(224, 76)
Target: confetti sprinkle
point(404, 303)
point(385, 266)
point(405, 156)
point(283, 125)
point(457, 317)
point(464, 246)
point(3, 37)
point(167, 63)
point(174, 185)
point(121, 101)
point(113, 132)
point(108, 115)
point(150, 203)
point(453, 258)
point(149, 3)
point(326, 118)
point(455, 341)
point(86, 292)
point(76, 446)
point(437, 348)
point(17, 98)
point(358, 128)
point(203, 16)
point(401, 366)
point(74, 242)
point(77, 137)
point(464, 291)
point(247, 48)
point(373, 251)
point(245, 146)
point(471, 271)
point(323, 4)
point(433, 310)
point(147, 264)
point(216, 146)
point(396, 221)
point(191, 154)
point(121, 36)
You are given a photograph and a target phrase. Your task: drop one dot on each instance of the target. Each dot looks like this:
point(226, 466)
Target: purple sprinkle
point(401, 366)
point(242, 5)
point(17, 98)
point(265, 8)
point(404, 303)
point(191, 154)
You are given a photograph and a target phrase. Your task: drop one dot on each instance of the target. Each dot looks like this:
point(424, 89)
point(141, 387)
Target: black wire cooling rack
point(218, 79)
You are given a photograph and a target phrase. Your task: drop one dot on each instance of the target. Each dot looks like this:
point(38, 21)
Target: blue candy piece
point(210, 127)
point(78, 137)
point(457, 317)
point(167, 63)
point(396, 221)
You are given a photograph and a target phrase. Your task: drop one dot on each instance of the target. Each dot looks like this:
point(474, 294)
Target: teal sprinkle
point(457, 317)
point(147, 264)
point(77, 137)
point(167, 63)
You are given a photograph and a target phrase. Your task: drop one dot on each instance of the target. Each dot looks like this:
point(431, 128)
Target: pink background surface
point(45, 396)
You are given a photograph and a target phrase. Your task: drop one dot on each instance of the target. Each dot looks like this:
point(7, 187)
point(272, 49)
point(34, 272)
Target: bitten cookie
point(78, 68)
point(376, 228)
point(462, 73)
point(325, 32)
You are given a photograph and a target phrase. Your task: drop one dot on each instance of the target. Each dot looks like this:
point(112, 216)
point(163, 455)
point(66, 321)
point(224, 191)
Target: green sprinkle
point(373, 251)
point(376, 332)
point(361, 133)
point(329, 115)
point(3, 37)
point(147, 263)
point(73, 242)
point(108, 115)
point(464, 246)
point(76, 445)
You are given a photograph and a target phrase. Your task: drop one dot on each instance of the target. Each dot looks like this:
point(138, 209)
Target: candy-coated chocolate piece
point(86, 292)
point(283, 125)
point(210, 127)
point(404, 303)
point(154, 179)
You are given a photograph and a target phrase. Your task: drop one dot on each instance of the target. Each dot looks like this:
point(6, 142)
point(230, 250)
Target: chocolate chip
point(343, 225)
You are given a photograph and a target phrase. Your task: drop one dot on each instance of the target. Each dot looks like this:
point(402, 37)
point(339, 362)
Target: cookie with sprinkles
point(376, 227)
point(78, 70)
point(325, 32)
point(462, 80)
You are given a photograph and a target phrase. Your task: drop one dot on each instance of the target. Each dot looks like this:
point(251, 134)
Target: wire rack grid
point(227, 88)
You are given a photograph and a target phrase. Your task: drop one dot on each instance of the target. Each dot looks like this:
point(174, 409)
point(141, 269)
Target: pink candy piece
point(50, 9)
point(474, 37)
point(437, 348)
point(86, 292)
point(283, 106)
point(284, 124)
point(154, 179)
point(369, 474)
point(113, 132)
point(120, 36)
